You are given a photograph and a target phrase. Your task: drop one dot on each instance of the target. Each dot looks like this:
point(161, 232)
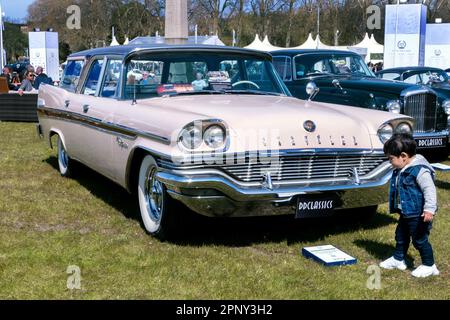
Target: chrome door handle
point(85, 108)
point(67, 103)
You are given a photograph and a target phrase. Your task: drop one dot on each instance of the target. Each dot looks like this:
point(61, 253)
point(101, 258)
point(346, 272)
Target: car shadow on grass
point(233, 232)
point(381, 251)
point(442, 184)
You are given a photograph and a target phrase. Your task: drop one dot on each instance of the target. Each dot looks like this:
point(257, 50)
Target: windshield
point(425, 77)
point(166, 74)
point(307, 65)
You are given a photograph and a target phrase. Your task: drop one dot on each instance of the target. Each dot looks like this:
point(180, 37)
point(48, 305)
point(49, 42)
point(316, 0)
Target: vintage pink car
point(213, 128)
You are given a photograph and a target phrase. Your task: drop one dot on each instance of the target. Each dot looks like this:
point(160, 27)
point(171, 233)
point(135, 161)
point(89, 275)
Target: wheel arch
point(59, 133)
point(134, 163)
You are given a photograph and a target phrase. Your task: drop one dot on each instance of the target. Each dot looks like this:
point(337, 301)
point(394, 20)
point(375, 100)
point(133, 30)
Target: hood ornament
point(309, 126)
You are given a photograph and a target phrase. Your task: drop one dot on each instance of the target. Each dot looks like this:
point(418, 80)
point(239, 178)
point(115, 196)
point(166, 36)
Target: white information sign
point(404, 39)
point(437, 49)
point(44, 52)
point(328, 255)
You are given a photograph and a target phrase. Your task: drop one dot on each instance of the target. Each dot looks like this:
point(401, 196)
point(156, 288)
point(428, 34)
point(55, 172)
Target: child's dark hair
point(400, 142)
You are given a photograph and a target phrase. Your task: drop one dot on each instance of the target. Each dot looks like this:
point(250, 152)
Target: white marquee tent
point(366, 48)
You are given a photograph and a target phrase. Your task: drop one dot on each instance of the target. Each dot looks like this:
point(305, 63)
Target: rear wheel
point(156, 206)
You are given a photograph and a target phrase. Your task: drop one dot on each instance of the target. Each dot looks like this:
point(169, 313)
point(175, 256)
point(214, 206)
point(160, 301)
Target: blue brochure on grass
point(328, 255)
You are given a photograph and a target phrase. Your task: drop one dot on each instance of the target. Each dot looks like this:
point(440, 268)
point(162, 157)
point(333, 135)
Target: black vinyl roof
point(125, 50)
point(405, 69)
point(294, 52)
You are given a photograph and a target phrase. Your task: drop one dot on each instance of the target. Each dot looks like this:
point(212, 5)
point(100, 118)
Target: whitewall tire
point(64, 161)
point(155, 204)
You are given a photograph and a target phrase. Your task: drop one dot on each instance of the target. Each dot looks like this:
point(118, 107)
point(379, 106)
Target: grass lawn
point(48, 223)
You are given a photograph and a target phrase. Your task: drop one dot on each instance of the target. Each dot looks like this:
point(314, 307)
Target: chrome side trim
point(98, 124)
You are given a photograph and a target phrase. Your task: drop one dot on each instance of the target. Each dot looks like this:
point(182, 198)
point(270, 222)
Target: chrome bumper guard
point(212, 193)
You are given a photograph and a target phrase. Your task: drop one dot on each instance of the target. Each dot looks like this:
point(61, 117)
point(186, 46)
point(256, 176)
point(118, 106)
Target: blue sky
point(16, 9)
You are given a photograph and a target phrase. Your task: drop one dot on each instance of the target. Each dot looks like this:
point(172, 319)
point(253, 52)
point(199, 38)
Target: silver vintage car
point(213, 128)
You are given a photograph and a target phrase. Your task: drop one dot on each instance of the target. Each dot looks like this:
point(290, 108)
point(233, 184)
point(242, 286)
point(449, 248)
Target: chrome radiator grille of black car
point(422, 107)
point(286, 168)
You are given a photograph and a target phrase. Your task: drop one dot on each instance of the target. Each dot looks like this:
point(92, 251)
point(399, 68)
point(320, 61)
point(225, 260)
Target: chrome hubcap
point(154, 195)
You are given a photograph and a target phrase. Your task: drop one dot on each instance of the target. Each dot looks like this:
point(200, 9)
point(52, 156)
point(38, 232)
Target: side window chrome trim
point(290, 66)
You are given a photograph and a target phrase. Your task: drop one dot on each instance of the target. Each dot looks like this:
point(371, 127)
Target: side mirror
point(312, 90)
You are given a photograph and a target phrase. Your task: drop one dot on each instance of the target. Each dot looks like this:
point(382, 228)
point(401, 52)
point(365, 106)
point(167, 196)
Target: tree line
point(286, 22)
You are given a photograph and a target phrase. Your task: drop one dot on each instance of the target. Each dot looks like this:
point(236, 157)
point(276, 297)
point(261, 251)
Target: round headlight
point(393, 106)
point(446, 106)
point(191, 137)
point(214, 137)
point(385, 132)
point(403, 128)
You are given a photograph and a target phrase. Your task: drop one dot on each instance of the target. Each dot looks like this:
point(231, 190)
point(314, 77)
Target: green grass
point(48, 223)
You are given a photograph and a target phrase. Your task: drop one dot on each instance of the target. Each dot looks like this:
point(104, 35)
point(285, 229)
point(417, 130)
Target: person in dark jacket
point(413, 195)
point(41, 77)
point(6, 73)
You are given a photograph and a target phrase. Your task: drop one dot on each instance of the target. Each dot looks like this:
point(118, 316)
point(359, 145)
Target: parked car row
point(342, 77)
point(241, 145)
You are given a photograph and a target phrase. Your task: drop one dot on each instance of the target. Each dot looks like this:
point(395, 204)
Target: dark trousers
point(417, 230)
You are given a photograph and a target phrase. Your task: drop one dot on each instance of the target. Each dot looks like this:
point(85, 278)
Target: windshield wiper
point(255, 92)
point(319, 74)
point(223, 91)
point(189, 93)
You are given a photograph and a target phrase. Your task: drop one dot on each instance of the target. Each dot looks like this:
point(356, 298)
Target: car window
point(413, 79)
point(433, 76)
point(338, 64)
point(71, 76)
point(199, 72)
point(231, 67)
point(91, 85)
point(143, 78)
point(112, 74)
point(283, 66)
point(390, 76)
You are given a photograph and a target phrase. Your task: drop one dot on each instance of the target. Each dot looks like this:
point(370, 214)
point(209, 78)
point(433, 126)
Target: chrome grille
point(285, 168)
point(422, 107)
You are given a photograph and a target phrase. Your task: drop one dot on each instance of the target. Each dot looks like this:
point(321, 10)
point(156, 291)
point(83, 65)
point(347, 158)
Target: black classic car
point(433, 77)
point(342, 77)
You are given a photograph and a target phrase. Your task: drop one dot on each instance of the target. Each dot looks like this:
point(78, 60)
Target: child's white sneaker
point(425, 271)
point(393, 263)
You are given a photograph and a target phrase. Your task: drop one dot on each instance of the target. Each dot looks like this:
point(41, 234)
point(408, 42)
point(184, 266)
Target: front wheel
point(64, 161)
point(156, 206)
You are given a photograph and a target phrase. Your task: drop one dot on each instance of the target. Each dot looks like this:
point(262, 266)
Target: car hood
point(364, 83)
point(267, 122)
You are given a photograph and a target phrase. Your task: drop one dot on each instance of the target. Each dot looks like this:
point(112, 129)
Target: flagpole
point(2, 55)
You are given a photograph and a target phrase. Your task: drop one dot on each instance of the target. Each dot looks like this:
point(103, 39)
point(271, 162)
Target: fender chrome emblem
point(309, 126)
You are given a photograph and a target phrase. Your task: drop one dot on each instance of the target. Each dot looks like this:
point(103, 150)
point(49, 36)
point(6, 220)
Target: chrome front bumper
point(214, 194)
